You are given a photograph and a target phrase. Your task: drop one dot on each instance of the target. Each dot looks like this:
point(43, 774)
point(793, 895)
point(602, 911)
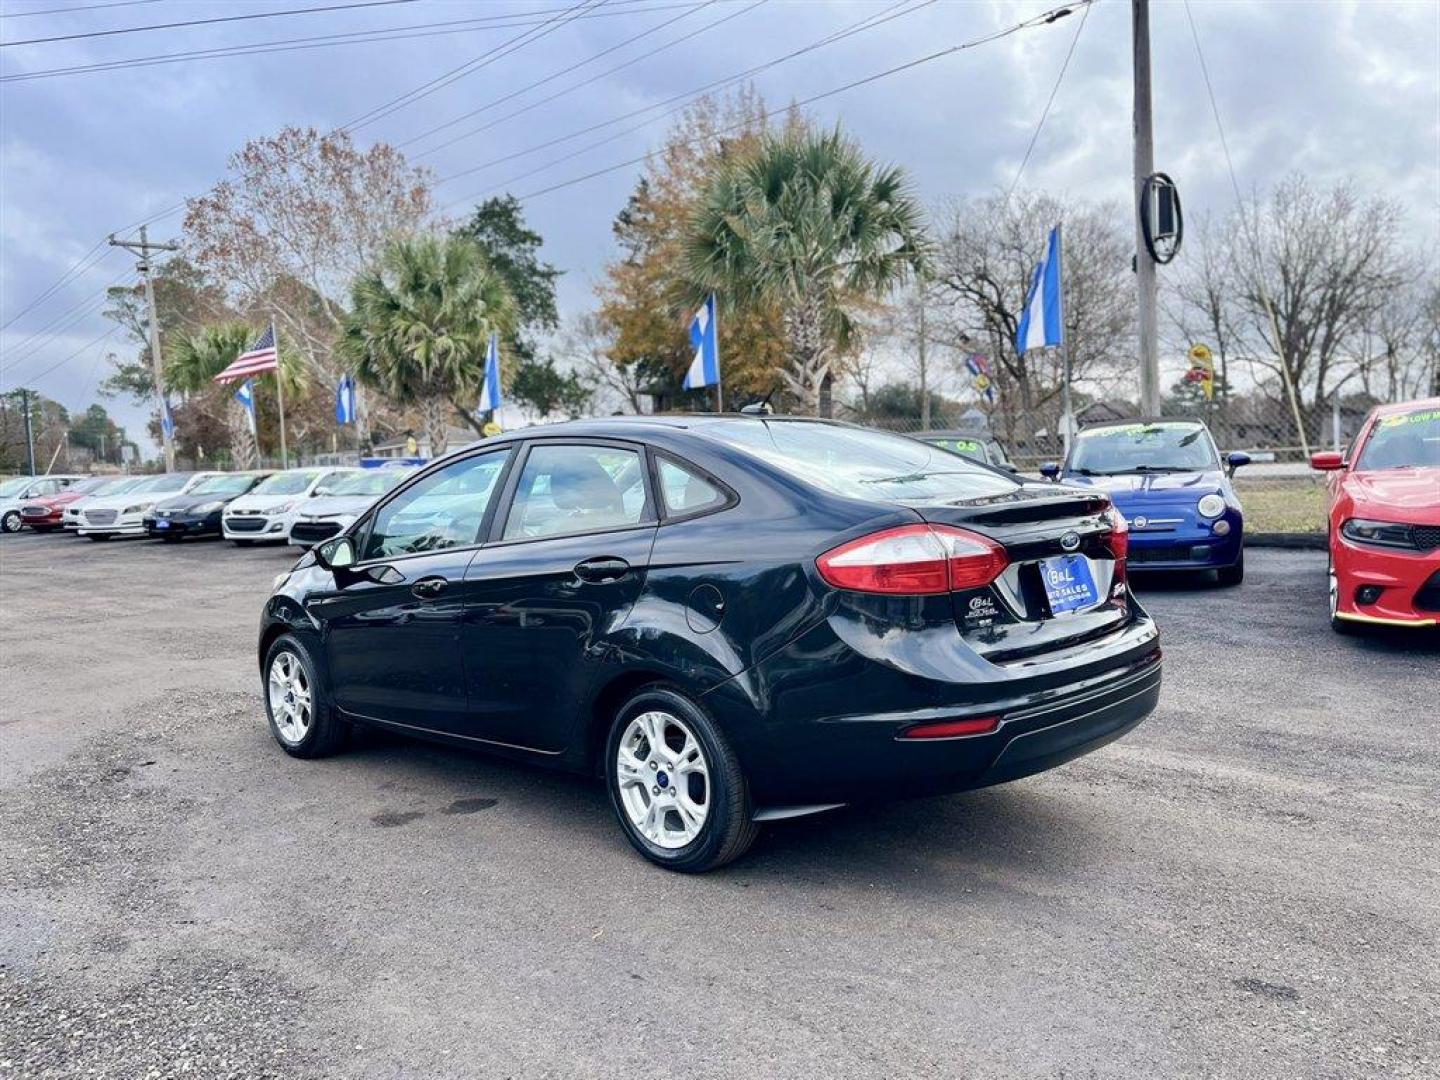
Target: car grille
point(245, 524)
point(1425, 537)
point(1428, 598)
point(312, 532)
point(35, 511)
point(101, 517)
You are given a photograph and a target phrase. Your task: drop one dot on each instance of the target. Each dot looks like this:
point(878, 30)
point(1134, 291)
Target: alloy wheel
point(290, 698)
point(11, 522)
point(664, 779)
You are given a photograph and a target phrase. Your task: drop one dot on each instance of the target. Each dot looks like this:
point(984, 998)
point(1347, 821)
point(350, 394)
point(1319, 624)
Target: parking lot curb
point(1294, 541)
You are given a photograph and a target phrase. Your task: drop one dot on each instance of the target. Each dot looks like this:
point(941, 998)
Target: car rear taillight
point(914, 560)
point(1119, 534)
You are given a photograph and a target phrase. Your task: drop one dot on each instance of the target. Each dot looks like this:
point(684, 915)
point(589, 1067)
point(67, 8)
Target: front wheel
point(302, 719)
point(10, 523)
point(676, 784)
point(1340, 626)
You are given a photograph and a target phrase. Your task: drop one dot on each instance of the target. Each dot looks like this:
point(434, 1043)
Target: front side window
point(576, 489)
point(1405, 440)
point(686, 492)
point(1163, 446)
point(861, 464)
point(444, 510)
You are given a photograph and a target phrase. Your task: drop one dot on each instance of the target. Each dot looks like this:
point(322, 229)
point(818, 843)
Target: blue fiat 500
point(1168, 479)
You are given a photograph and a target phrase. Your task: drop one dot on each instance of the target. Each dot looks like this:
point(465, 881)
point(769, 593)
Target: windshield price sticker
point(1420, 416)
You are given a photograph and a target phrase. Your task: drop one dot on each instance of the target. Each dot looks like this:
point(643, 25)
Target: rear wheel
point(302, 719)
point(1232, 575)
point(676, 784)
point(10, 523)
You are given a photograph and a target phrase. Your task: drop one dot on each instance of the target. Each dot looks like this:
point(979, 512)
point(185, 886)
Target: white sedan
point(333, 508)
point(15, 491)
point(124, 514)
point(267, 512)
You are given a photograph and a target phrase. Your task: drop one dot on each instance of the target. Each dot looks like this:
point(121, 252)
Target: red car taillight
point(1119, 534)
point(914, 560)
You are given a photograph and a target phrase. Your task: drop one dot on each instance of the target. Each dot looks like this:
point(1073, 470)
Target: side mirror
point(1236, 458)
point(336, 554)
point(1327, 460)
point(1050, 470)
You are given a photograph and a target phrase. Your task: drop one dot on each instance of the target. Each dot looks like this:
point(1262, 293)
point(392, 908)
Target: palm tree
point(192, 360)
point(420, 322)
point(809, 224)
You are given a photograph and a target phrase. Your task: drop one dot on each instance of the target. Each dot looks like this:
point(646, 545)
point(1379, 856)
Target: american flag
point(256, 360)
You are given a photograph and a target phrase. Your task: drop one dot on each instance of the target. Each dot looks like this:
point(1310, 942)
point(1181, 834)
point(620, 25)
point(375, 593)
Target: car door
point(392, 622)
point(565, 564)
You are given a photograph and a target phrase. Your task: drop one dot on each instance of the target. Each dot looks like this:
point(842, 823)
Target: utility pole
point(29, 434)
point(143, 248)
point(1144, 166)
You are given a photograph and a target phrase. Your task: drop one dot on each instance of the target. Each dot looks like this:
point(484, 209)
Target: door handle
point(599, 570)
point(428, 588)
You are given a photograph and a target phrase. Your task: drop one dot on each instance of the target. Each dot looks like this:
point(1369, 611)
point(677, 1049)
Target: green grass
point(1292, 506)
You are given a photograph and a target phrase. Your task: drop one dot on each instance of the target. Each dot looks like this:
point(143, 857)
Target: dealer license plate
point(1069, 583)
point(161, 523)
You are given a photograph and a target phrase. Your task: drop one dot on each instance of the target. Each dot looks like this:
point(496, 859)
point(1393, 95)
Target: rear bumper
point(803, 745)
point(1407, 584)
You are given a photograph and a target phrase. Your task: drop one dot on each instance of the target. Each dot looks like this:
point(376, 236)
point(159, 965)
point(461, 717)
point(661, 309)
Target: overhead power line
point(1045, 113)
point(997, 35)
point(78, 7)
point(37, 376)
point(558, 73)
point(326, 41)
point(78, 267)
point(869, 22)
point(206, 22)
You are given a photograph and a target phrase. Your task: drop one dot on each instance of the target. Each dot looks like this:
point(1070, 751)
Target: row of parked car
point(297, 506)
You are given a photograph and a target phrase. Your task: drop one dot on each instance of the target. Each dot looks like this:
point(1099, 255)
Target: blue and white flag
point(167, 422)
point(345, 400)
point(1042, 322)
point(490, 395)
point(246, 396)
point(705, 336)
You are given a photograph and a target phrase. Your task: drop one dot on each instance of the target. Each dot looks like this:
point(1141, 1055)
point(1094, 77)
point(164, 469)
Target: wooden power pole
point(143, 248)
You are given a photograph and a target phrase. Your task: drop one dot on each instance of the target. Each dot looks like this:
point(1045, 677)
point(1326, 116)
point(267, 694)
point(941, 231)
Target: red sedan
point(1385, 520)
point(46, 514)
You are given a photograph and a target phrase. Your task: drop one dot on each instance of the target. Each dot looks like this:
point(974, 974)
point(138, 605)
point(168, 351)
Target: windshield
point(14, 486)
point(369, 482)
point(1404, 440)
point(286, 483)
point(117, 487)
point(862, 464)
point(163, 483)
point(331, 480)
point(973, 449)
point(1163, 446)
point(225, 484)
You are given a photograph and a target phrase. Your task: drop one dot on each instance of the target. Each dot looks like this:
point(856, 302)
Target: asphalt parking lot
point(1243, 887)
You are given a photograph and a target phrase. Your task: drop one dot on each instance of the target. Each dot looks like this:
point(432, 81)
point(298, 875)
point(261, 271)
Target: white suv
point(267, 512)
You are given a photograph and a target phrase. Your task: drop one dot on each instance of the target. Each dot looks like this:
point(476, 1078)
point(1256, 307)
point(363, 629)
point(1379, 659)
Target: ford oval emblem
point(1070, 541)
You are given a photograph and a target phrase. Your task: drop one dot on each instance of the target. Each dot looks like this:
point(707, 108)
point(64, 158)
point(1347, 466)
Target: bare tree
point(588, 343)
point(988, 251)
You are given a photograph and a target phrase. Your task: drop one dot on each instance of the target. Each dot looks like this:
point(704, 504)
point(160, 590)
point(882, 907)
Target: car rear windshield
point(369, 482)
point(286, 483)
point(1404, 440)
point(862, 464)
point(1163, 446)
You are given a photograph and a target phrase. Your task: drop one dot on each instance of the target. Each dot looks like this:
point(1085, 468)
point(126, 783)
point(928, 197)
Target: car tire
point(11, 522)
point(704, 764)
point(306, 725)
point(1343, 627)
point(1232, 575)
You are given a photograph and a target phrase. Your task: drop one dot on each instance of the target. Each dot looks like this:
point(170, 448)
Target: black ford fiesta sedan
point(732, 619)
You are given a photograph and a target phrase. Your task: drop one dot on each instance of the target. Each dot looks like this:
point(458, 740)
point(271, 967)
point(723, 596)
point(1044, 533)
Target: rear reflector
point(914, 560)
point(953, 729)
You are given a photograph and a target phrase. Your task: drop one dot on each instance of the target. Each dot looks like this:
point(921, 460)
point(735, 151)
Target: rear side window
point(863, 464)
point(576, 489)
point(685, 491)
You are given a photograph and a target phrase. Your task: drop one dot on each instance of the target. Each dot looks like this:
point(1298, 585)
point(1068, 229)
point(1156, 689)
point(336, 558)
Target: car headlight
point(283, 508)
point(207, 508)
point(138, 508)
point(1383, 533)
point(1211, 505)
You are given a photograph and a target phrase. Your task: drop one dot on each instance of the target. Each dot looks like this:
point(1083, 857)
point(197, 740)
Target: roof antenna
point(761, 407)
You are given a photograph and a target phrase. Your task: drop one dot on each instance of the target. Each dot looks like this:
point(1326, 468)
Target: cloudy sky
point(1331, 88)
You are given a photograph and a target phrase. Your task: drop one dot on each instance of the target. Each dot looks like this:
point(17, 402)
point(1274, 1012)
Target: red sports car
point(1385, 520)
